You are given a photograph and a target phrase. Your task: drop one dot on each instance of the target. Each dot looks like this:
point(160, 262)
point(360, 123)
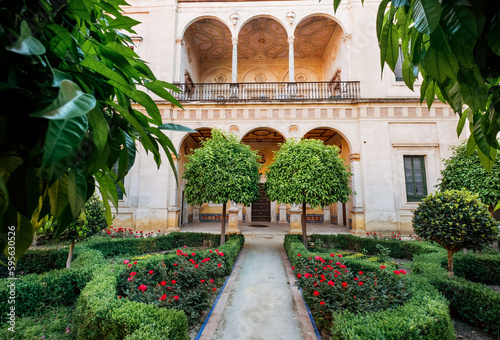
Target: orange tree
point(67, 83)
point(223, 169)
point(309, 172)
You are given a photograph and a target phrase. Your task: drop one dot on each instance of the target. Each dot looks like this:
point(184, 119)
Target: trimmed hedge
point(56, 287)
point(482, 268)
point(136, 246)
point(472, 302)
point(399, 249)
point(424, 316)
point(101, 315)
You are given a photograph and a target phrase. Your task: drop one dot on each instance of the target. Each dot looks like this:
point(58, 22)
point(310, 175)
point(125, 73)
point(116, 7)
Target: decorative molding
point(354, 157)
point(234, 129)
point(290, 15)
point(234, 40)
point(347, 37)
point(179, 41)
point(234, 17)
point(291, 39)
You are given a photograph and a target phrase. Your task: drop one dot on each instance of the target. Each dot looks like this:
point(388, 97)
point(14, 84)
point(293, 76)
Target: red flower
point(130, 265)
point(367, 233)
point(119, 296)
point(360, 283)
point(402, 271)
point(397, 272)
point(382, 267)
point(293, 267)
point(176, 297)
point(133, 273)
point(344, 284)
point(126, 261)
point(219, 265)
point(135, 262)
point(202, 280)
point(196, 266)
point(360, 273)
point(150, 272)
point(211, 251)
point(163, 297)
point(193, 254)
point(321, 303)
point(332, 255)
point(131, 278)
point(299, 275)
point(174, 282)
point(175, 264)
point(355, 279)
point(340, 255)
point(211, 280)
point(316, 293)
point(331, 283)
point(141, 231)
point(163, 283)
point(299, 255)
point(143, 288)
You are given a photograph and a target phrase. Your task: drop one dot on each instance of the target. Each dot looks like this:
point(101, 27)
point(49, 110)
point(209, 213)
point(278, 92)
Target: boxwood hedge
point(100, 314)
point(424, 316)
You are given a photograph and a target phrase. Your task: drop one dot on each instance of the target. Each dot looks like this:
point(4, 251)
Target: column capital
point(347, 37)
point(291, 38)
point(234, 40)
point(354, 157)
point(179, 41)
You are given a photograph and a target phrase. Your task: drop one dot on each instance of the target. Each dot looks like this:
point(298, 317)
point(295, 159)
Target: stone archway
point(336, 213)
point(188, 213)
point(265, 141)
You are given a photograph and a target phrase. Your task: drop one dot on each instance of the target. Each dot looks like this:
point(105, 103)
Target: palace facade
point(272, 70)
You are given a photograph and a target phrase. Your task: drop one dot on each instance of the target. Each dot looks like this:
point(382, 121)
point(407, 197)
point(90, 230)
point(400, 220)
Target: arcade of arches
point(265, 141)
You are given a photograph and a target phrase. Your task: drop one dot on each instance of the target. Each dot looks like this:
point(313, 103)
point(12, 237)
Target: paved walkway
point(259, 302)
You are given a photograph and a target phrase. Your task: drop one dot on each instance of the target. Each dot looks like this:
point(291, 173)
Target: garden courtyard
point(262, 284)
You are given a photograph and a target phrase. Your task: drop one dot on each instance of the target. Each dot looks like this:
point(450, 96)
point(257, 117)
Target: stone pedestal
point(232, 225)
point(326, 215)
point(358, 222)
point(295, 221)
point(282, 209)
point(173, 218)
point(196, 213)
point(240, 212)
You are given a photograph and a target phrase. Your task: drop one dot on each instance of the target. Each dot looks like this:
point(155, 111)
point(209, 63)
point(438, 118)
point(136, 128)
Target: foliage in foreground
point(455, 46)
point(455, 220)
point(223, 169)
point(68, 80)
point(308, 171)
point(463, 171)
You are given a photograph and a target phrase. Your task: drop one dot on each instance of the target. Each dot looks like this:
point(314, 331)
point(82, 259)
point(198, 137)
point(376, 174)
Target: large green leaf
point(77, 191)
point(461, 122)
point(494, 34)
point(408, 74)
point(426, 15)
point(24, 186)
point(99, 128)
point(389, 43)
point(473, 89)
point(440, 65)
point(175, 127)
point(81, 8)
point(26, 44)
point(58, 196)
point(487, 160)
point(62, 42)
point(24, 235)
point(459, 21)
point(124, 23)
point(157, 86)
point(63, 136)
point(380, 17)
point(70, 102)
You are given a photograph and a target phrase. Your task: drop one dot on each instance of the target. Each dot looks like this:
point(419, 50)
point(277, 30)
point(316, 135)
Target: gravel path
point(261, 305)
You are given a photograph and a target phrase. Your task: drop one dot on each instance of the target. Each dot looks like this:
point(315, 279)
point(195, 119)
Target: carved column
point(347, 40)
point(282, 209)
point(357, 212)
point(291, 59)
point(234, 70)
point(178, 49)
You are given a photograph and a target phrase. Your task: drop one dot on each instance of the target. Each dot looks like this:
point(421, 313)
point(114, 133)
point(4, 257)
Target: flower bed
point(122, 298)
point(469, 301)
point(387, 304)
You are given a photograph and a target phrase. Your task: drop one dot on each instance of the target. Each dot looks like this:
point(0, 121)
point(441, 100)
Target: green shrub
point(455, 220)
point(472, 302)
point(398, 249)
point(101, 314)
point(425, 314)
point(482, 268)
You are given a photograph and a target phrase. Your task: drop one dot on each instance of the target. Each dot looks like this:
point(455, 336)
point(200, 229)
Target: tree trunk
point(223, 225)
point(304, 232)
point(70, 254)
point(58, 246)
point(450, 264)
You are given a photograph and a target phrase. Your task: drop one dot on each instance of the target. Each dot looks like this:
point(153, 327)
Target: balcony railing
point(215, 92)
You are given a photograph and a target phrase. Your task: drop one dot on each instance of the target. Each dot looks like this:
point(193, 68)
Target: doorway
point(261, 210)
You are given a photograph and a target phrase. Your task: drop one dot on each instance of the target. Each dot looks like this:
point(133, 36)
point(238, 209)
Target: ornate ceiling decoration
point(312, 36)
point(211, 39)
point(263, 135)
point(324, 134)
point(261, 38)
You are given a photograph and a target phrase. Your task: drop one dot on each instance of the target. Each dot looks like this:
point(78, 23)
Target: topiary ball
point(455, 219)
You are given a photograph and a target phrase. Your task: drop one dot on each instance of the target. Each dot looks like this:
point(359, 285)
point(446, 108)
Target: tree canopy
point(462, 172)
point(223, 169)
point(308, 171)
point(68, 78)
point(455, 46)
